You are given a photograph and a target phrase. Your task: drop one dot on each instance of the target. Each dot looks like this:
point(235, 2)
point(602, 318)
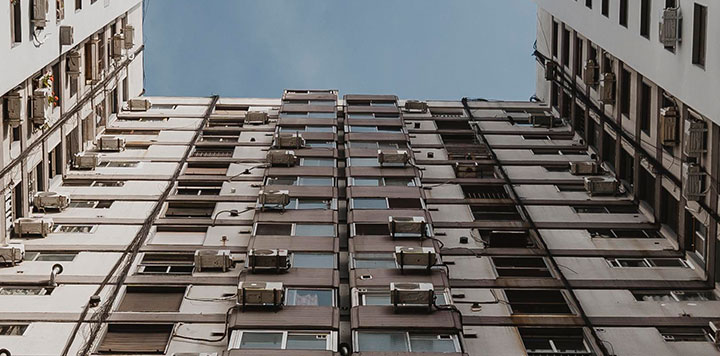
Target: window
point(533, 267)
point(386, 203)
point(606, 8)
point(307, 204)
point(370, 229)
point(526, 301)
point(378, 129)
point(13, 329)
point(383, 182)
point(315, 115)
point(83, 229)
point(623, 234)
point(281, 340)
point(645, 107)
point(321, 230)
point(588, 3)
point(300, 181)
point(484, 192)
point(382, 297)
point(198, 188)
point(152, 299)
point(78, 5)
point(555, 33)
point(313, 260)
point(625, 84)
point(554, 341)
point(363, 162)
point(306, 129)
point(605, 209)
point(320, 144)
point(684, 333)
point(16, 21)
point(669, 210)
point(190, 210)
point(376, 145)
point(674, 296)
point(91, 204)
point(645, 9)
point(50, 257)
point(500, 213)
point(566, 47)
point(647, 262)
point(135, 339)
point(374, 260)
point(24, 291)
point(317, 162)
point(119, 164)
point(167, 263)
point(698, 235)
point(207, 168)
point(623, 17)
point(699, 35)
point(311, 297)
point(95, 183)
point(400, 341)
point(579, 57)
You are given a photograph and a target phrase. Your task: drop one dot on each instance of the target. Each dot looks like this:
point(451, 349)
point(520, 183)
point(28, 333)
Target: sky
point(419, 49)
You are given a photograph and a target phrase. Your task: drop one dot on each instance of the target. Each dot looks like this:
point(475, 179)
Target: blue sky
point(421, 49)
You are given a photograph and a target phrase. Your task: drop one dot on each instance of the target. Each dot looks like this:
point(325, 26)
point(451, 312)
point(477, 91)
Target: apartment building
point(325, 224)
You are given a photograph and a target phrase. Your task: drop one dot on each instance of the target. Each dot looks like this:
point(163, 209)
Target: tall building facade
point(325, 224)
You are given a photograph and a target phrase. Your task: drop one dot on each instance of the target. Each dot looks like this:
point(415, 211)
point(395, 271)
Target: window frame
point(235, 340)
point(408, 339)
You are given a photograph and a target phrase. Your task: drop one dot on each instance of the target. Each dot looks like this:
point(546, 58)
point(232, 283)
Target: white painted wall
point(693, 85)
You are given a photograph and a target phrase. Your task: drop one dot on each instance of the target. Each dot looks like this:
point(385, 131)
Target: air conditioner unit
point(412, 295)
point(40, 106)
point(282, 158)
point(416, 106)
point(260, 294)
point(33, 226)
point(601, 185)
point(694, 179)
point(668, 125)
point(589, 71)
point(407, 256)
point(273, 199)
point(50, 200)
point(14, 109)
point(550, 70)
point(111, 143)
point(607, 88)
point(584, 168)
point(289, 140)
point(670, 27)
point(129, 33)
point(393, 157)
point(413, 226)
point(138, 104)
point(715, 328)
point(12, 254)
point(85, 160)
point(39, 13)
point(695, 138)
point(256, 118)
point(66, 36)
point(118, 44)
point(213, 260)
point(541, 120)
point(73, 64)
point(268, 260)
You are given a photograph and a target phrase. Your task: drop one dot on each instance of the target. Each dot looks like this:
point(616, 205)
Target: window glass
point(319, 129)
point(265, 340)
point(432, 343)
point(317, 162)
point(304, 204)
point(55, 257)
point(369, 203)
point(82, 203)
point(314, 230)
point(22, 291)
point(363, 144)
point(364, 162)
point(283, 180)
point(388, 341)
point(400, 182)
point(14, 330)
point(316, 181)
point(74, 228)
point(314, 297)
point(374, 260)
point(321, 144)
point(306, 341)
point(313, 260)
point(366, 182)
